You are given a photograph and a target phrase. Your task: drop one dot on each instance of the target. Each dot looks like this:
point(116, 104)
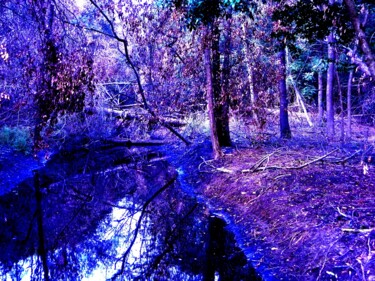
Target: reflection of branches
point(125, 44)
point(41, 248)
point(138, 226)
point(170, 243)
point(68, 224)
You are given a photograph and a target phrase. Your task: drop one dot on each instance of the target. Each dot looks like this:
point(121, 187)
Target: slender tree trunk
point(253, 94)
point(342, 126)
point(349, 102)
point(284, 119)
point(150, 80)
point(329, 88)
point(320, 98)
point(250, 77)
point(302, 104)
point(210, 93)
point(369, 58)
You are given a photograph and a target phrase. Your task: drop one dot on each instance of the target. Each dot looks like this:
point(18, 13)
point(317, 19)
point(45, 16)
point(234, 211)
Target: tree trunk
point(253, 94)
point(369, 58)
point(150, 80)
point(222, 120)
point(210, 93)
point(250, 77)
point(221, 104)
point(302, 104)
point(320, 98)
point(349, 102)
point(342, 126)
point(329, 89)
point(284, 120)
point(46, 92)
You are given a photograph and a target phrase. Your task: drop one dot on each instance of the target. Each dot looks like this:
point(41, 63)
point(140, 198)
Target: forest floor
point(304, 208)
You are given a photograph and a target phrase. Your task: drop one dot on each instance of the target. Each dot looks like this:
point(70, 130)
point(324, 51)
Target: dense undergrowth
point(18, 138)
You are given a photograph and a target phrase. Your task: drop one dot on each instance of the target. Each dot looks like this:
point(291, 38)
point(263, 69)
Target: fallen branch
point(301, 166)
point(125, 115)
point(347, 158)
point(355, 230)
point(130, 143)
point(256, 166)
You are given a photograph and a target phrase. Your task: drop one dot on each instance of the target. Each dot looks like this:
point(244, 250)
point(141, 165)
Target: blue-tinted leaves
point(206, 11)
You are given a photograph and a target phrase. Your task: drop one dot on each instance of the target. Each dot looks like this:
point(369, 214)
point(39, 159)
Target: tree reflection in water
point(120, 220)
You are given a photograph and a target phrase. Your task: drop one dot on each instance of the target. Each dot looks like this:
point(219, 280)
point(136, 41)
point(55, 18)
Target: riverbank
point(299, 213)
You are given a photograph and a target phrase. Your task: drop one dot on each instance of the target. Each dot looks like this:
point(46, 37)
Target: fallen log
point(123, 114)
point(130, 143)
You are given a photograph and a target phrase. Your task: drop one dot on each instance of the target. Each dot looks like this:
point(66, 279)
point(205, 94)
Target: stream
point(104, 212)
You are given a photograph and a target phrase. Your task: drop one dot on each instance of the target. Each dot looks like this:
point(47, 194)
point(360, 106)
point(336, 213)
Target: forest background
point(123, 68)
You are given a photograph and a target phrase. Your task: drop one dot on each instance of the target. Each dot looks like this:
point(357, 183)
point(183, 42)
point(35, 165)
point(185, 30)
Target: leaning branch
point(125, 44)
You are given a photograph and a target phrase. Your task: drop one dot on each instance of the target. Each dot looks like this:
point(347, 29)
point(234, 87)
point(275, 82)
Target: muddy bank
point(295, 216)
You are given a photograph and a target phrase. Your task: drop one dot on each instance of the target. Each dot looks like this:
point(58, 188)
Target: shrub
point(17, 137)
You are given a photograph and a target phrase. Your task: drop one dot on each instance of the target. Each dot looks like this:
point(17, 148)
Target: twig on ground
point(225, 170)
point(362, 269)
point(207, 163)
point(355, 230)
point(281, 176)
point(220, 169)
point(341, 213)
point(370, 252)
point(325, 260)
point(256, 166)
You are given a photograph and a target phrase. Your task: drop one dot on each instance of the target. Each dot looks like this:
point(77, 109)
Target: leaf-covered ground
point(302, 209)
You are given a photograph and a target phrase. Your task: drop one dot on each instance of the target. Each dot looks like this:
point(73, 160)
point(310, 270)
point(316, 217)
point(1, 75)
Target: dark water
point(113, 213)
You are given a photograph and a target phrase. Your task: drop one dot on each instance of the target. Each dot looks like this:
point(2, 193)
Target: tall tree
point(330, 79)
point(44, 13)
point(222, 97)
point(217, 153)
